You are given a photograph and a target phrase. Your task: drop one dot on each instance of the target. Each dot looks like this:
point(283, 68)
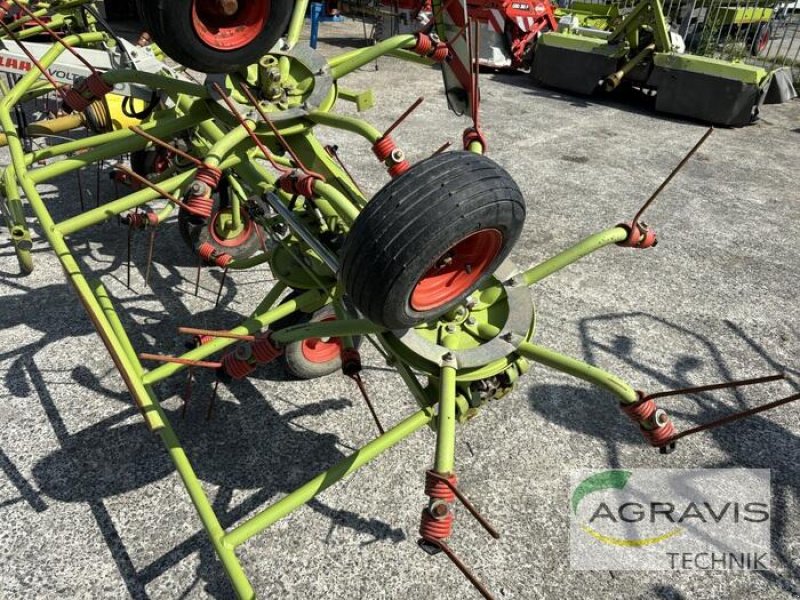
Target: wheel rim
point(763, 40)
point(457, 270)
point(217, 225)
point(233, 31)
point(318, 350)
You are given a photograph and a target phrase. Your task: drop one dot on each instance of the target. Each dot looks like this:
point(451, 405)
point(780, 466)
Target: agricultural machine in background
point(422, 270)
point(590, 48)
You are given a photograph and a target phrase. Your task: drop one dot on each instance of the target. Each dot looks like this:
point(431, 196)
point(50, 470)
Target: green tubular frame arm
point(337, 198)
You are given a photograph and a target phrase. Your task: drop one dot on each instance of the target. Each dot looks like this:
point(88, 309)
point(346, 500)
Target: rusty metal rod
point(216, 333)
point(363, 389)
point(467, 504)
point(734, 417)
point(464, 569)
point(238, 116)
point(181, 361)
point(275, 131)
point(156, 188)
point(674, 172)
point(166, 145)
point(716, 386)
point(404, 116)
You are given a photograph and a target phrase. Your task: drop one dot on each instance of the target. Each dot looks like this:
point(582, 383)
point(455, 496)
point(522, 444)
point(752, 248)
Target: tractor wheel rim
point(763, 40)
point(229, 32)
point(237, 240)
point(318, 350)
point(457, 270)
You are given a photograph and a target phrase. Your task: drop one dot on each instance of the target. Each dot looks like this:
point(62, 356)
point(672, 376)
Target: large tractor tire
point(430, 237)
point(215, 36)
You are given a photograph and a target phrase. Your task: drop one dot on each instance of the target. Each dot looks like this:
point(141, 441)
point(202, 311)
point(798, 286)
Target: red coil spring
point(660, 436)
point(351, 362)
point(641, 410)
point(223, 260)
point(264, 351)
point(398, 169)
point(74, 101)
point(434, 530)
point(236, 367)
point(209, 175)
point(206, 251)
point(200, 206)
point(438, 489)
point(441, 53)
point(644, 411)
point(140, 220)
point(424, 44)
point(384, 147)
point(638, 237)
point(297, 183)
point(202, 340)
point(96, 86)
point(471, 134)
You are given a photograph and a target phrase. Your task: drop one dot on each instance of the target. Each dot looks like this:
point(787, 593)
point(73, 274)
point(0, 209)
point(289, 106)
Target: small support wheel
point(215, 36)
point(315, 357)
point(430, 237)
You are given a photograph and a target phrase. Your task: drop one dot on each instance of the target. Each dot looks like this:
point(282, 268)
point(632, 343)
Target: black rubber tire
point(414, 220)
point(196, 231)
point(300, 367)
point(169, 22)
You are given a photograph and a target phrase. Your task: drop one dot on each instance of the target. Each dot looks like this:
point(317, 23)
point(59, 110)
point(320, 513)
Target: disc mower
point(422, 270)
point(642, 52)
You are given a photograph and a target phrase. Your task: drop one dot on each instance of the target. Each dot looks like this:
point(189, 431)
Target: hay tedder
point(421, 270)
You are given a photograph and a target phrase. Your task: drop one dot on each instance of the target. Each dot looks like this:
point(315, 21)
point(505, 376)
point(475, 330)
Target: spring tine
point(150, 250)
point(734, 417)
point(360, 383)
point(80, 188)
point(674, 172)
point(56, 37)
point(716, 386)
point(146, 182)
point(97, 183)
point(187, 392)
point(180, 361)
point(130, 243)
point(197, 278)
point(333, 151)
point(216, 333)
point(404, 116)
point(442, 148)
point(213, 401)
point(468, 505)
point(166, 145)
point(465, 570)
point(274, 129)
point(33, 59)
point(238, 116)
point(221, 286)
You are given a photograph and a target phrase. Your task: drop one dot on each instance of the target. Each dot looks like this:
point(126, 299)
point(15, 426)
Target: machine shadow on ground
point(755, 442)
point(117, 454)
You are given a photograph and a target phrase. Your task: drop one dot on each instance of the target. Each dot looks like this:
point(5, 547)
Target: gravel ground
point(90, 505)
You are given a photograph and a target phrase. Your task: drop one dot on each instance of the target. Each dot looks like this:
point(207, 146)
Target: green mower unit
point(642, 52)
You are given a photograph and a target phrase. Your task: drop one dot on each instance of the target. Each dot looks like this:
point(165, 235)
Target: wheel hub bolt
point(228, 7)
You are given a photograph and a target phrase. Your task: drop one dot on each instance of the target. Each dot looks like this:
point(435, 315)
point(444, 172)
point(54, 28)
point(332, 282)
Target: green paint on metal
point(715, 67)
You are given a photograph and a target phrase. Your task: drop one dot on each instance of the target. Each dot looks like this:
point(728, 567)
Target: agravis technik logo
point(670, 519)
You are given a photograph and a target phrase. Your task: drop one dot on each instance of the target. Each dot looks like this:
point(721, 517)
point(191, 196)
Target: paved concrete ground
point(91, 507)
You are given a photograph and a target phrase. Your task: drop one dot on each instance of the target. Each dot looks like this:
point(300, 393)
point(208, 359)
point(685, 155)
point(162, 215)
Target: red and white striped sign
point(451, 27)
point(497, 22)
